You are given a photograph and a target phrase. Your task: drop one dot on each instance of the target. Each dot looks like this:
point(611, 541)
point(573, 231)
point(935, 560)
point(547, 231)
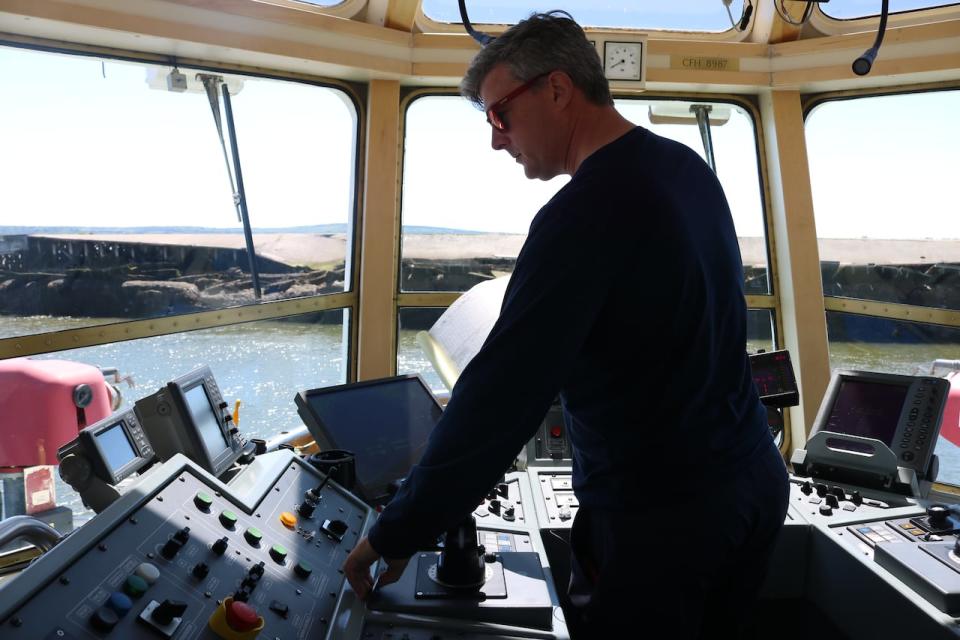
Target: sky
point(91, 143)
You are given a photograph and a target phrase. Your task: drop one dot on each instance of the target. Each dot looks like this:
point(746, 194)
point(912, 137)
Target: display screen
point(116, 448)
point(385, 424)
point(772, 373)
point(867, 409)
point(206, 422)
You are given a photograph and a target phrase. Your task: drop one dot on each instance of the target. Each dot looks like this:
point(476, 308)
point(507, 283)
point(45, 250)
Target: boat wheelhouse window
point(732, 142)
point(883, 176)
point(259, 363)
point(121, 192)
point(866, 343)
point(410, 356)
point(679, 15)
point(854, 9)
point(466, 208)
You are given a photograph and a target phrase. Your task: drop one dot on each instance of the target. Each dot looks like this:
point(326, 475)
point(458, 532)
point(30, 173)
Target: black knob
point(856, 498)
point(509, 513)
point(310, 495)
point(200, 570)
point(956, 548)
point(492, 494)
point(806, 488)
point(220, 546)
point(183, 535)
point(257, 570)
point(938, 514)
point(306, 509)
point(821, 489)
point(839, 492)
point(303, 570)
point(832, 501)
point(241, 595)
point(826, 510)
point(167, 611)
point(503, 489)
point(250, 583)
point(494, 507)
point(104, 619)
point(171, 548)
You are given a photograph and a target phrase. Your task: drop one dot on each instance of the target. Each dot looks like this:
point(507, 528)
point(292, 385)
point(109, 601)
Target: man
point(627, 299)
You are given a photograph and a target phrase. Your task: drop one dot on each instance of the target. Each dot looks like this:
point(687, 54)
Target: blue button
point(120, 603)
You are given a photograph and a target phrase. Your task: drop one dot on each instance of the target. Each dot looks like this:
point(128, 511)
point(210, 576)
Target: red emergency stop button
point(556, 431)
point(241, 617)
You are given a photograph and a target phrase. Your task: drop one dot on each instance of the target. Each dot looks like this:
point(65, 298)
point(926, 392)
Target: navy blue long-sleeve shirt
point(627, 299)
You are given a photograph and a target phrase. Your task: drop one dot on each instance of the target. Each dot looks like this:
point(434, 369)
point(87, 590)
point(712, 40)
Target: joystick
point(461, 564)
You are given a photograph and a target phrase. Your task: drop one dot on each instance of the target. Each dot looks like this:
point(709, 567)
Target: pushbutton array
point(119, 603)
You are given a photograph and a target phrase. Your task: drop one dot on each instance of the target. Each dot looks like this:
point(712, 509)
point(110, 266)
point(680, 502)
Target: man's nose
point(498, 139)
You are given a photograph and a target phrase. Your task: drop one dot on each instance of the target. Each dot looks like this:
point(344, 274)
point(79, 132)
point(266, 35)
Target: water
point(264, 364)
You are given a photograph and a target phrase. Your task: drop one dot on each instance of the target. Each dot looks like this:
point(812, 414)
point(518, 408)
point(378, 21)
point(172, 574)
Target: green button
point(253, 536)
point(278, 553)
point(203, 501)
point(135, 586)
point(228, 519)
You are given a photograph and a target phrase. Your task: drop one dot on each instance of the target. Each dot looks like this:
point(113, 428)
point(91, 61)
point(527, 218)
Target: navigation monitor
point(385, 423)
point(116, 447)
point(772, 373)
point(189, 416)
point(902, 412)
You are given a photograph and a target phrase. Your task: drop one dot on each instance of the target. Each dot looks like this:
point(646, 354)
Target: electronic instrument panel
point(182, 555)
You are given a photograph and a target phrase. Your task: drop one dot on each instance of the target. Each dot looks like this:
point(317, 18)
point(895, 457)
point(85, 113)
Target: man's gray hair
point(542, 43)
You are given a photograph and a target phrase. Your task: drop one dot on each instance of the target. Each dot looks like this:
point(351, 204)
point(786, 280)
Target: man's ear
point(561, 88)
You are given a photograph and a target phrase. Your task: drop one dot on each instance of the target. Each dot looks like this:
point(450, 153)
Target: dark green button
point(203, 501)
point(278, 553)
point(303, 570)
point(253, 536)
point(228, 519)
point(135, 586)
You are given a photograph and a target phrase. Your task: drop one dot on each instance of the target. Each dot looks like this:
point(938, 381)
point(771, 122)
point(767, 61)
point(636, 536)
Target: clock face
point(622, 60)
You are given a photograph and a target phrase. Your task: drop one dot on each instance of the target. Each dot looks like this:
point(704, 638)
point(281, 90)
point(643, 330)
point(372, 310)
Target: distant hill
point(319, 228)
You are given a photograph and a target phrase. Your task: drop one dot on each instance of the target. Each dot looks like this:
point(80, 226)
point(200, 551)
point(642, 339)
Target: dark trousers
point(690, 565)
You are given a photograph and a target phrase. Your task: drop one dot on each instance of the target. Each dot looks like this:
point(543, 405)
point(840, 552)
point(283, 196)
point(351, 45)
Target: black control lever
point(167, 611)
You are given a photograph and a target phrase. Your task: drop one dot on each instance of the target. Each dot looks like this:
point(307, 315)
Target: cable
point(483, 38)
point(742, 24)
point(785, 15)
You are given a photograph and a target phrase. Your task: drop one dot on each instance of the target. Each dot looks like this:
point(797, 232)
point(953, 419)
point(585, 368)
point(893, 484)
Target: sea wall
point(71, 277)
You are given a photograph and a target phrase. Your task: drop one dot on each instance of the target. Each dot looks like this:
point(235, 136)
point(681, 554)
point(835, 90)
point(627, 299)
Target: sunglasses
point(494, 117)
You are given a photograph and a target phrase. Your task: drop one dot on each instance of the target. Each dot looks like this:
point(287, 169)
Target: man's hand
point(357, 569)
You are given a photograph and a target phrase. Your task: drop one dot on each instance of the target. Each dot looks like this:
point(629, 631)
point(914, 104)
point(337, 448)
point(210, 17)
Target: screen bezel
point(178, 390)
point(920, 463)
point(97, 454)
point(321, 434)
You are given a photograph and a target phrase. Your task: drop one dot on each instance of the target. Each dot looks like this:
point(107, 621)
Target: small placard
point(704, 63)
point(39, 489)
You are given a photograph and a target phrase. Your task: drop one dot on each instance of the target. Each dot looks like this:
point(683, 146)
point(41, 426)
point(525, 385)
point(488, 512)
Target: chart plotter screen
point(868, 409)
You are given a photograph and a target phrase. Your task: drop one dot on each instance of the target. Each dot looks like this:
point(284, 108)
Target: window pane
point(849, 9)
point(119, 201)
point(760, 330)
point(684, 15)
point(262, 364)
point(883, 177)
point(890, 346)
point(410, 357)
point(465, 218)
point(735, 155)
